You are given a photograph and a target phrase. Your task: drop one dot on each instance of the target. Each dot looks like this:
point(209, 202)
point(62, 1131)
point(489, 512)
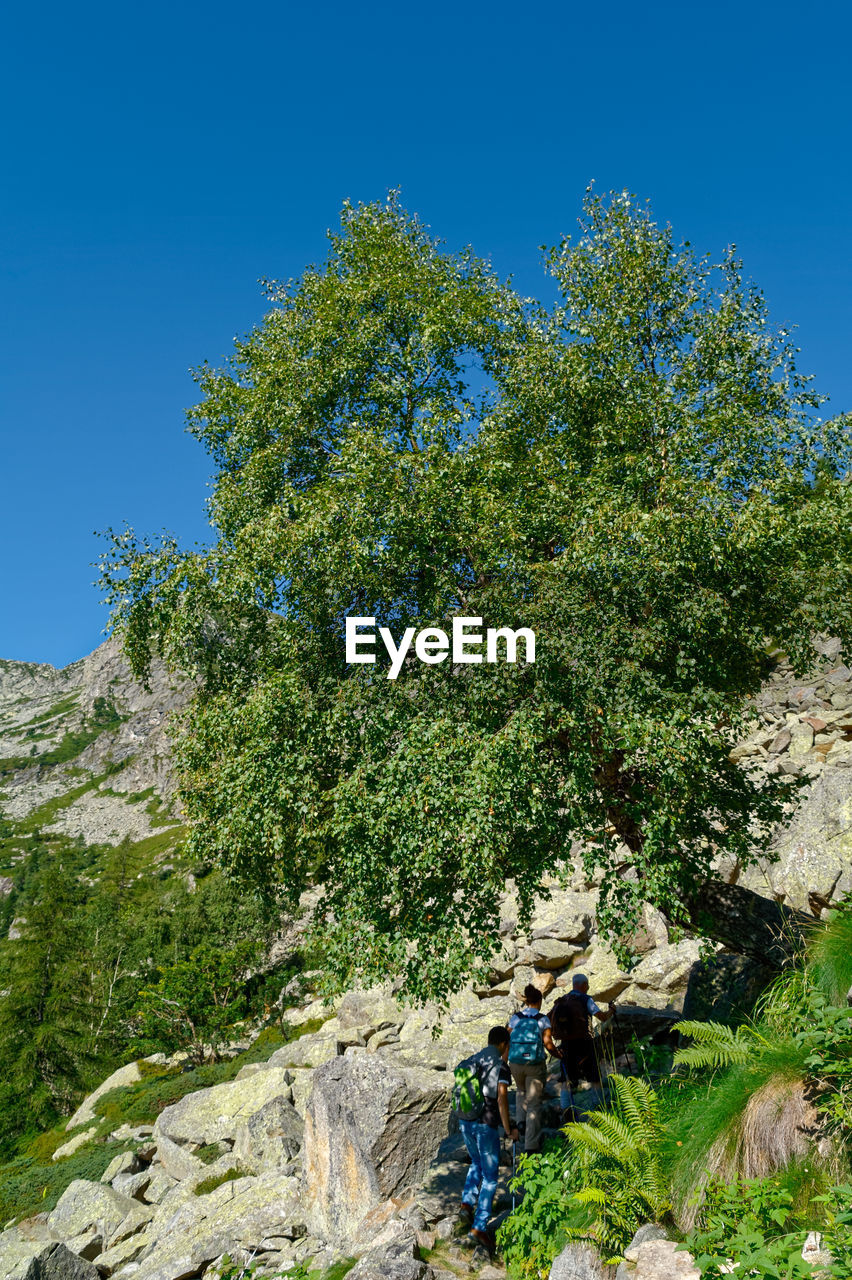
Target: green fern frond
point(590, 1195)
point(605, 1134)
point(716, 1045)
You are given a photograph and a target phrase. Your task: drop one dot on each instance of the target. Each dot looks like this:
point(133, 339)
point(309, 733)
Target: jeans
point(483, 1144)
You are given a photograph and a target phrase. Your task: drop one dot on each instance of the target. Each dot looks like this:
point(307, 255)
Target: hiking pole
point(514, 1188)
point(616, 1026)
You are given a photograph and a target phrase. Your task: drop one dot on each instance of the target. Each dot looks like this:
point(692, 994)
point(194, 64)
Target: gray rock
point(124, 1162)
point(236, 1216)
point(74, 1144)
point(159, 1185)
point(119, 1255)
point(215, 1114)
point(814, 850)
point(578, 1262)
point(663, 1260)
point(548, 953)
point(648, 1231)
point(371, 1130)
point(398, 1260)
point(666, 969)
point(132, 1184)
point(55, 1262)
point(176, 1162)
point(271, 1137)
point(372, 1008)
point(138, 1218)
point(307, 1051)
point(566, 915)
point(25, 1254)
point(129, 1074)
point(88, 1214)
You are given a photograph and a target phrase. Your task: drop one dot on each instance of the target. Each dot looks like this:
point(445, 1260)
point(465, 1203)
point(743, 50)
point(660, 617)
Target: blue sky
point(158, 160)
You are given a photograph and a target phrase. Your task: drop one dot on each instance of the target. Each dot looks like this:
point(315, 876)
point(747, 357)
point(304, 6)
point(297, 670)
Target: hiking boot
point(482, 1242)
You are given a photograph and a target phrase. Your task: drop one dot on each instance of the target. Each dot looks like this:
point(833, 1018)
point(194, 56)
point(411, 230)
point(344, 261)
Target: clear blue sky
point(159, 159)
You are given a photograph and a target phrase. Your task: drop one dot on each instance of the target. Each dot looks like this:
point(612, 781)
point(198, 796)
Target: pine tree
point(44, 1049)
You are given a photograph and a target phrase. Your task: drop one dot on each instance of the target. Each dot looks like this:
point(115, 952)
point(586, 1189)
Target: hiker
point(570, 1020)
point(530, 1042)
point(481, 1102)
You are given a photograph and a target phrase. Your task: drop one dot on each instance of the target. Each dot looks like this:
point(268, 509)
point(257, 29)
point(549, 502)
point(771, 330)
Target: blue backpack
point(526, 1043)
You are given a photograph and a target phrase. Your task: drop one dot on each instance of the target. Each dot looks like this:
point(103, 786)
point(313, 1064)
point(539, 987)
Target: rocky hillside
point(332, 1138)
point(84, 756)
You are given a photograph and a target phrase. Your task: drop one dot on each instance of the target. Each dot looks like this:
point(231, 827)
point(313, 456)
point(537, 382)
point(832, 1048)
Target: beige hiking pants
point(530, 1079)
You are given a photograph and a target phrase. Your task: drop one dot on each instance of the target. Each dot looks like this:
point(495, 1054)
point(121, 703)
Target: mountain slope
point(84, 756)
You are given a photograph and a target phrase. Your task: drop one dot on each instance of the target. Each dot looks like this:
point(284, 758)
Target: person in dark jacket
point(571, 1019)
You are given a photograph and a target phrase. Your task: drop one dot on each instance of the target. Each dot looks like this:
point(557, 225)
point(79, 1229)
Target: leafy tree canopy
point(638, 474)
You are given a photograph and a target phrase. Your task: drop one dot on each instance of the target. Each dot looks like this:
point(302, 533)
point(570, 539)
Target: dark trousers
point(579, 1061)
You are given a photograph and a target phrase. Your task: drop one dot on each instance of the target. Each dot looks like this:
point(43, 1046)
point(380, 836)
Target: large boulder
point(74, 1144)
point(364, 1009)
point(309, 1050)
point(131, 1073)
point(662, 1260)
point(176, 1162)
point(814, 851)
point(215, 1114)
point(371, 1130)
point(44, 1261)
point(237, 1215)
point(463, 1030)
point(271, 1137)
point(607, 979)
point(566, 915)
point(661, 977)
point(548, 953)
point(87, 1216)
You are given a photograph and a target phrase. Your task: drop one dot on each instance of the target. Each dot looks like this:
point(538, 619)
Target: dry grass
point(778, 1125)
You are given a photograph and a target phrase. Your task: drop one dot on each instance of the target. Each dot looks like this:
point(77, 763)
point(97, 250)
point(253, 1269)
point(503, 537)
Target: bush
point(755, 1227)
point(600, 1187)
point(535, 1232)
point(33, 1185)
point(215, 1180)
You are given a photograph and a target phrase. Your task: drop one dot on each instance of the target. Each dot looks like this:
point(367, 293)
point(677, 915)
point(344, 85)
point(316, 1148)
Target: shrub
point(31, 1185)
point(535, 1232)
point(215, 1180)
point(755, 1227)
point(618, 1154)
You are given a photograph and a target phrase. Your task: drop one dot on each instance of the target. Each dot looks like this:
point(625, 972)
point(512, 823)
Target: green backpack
point(468, 1098)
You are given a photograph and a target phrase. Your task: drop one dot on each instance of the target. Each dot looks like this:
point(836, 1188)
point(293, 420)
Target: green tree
point(198, 1002)
point(632, 475)
point(44, 1053)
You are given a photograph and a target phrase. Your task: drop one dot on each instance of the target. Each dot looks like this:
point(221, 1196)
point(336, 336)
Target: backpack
point(526, 1043)
point(468, 1100)
point(569, 1017)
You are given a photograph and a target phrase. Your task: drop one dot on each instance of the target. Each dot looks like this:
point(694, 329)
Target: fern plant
point(716, 1045)
point(618, 1151)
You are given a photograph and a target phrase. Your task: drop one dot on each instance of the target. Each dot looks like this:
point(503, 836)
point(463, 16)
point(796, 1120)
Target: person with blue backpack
point(530, 1041)
point(480, 1101)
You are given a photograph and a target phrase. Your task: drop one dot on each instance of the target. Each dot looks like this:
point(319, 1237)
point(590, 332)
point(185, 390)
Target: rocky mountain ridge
point(84, 755)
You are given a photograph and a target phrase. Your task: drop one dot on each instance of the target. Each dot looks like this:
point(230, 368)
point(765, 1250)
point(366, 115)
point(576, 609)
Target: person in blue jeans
point(482, 1138)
